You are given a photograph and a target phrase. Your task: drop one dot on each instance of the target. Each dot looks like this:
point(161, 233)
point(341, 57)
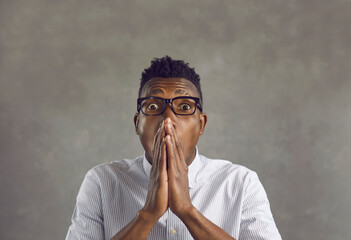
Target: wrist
point(147, 217)
point(187, 213)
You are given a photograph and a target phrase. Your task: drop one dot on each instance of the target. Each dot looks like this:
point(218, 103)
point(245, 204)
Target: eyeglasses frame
point(169, 101)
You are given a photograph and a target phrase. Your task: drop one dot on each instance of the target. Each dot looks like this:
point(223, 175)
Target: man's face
point(188, 127)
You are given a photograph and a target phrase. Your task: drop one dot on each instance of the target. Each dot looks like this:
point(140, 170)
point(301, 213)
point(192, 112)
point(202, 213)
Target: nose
point(168, 113)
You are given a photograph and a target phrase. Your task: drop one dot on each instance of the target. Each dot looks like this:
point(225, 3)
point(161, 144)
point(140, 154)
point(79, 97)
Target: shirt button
point(172, 231)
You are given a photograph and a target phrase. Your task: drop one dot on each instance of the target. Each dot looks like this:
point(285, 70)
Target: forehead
point(174, 86)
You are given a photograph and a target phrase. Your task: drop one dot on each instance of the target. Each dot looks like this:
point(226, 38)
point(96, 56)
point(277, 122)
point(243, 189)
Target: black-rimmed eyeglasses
point(152, 106)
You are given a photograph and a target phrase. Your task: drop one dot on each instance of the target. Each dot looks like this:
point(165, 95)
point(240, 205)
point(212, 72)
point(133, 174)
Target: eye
point(184, 107)
point(152, 106)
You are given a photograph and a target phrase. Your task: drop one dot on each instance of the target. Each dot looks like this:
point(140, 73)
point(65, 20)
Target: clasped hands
point(169, 184)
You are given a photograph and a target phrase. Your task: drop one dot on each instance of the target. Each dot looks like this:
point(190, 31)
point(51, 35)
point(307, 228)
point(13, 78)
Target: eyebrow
point(178, 91)
point(155, 91)
point(181, 91)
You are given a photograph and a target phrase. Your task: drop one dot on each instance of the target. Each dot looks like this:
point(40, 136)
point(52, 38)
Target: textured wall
point(276, 82)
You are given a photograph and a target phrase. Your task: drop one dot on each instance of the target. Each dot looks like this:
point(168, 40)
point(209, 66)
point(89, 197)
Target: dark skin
point(170, 142)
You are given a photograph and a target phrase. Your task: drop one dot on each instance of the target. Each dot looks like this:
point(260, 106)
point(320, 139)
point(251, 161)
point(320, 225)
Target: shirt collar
point(192, 169)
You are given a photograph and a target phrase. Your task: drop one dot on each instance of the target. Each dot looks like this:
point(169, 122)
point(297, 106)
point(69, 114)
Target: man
point(171, 192)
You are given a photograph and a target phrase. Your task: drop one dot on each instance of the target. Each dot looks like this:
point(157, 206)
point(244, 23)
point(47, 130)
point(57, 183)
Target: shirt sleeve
point(257, 222)
point(87, 219)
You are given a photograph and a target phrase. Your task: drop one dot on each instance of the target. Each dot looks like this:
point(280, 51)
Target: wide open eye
point(184, 107)
point(152, 107)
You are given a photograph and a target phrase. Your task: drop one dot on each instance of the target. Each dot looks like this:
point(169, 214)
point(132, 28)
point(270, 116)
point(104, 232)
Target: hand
point(156, 203)
point(178, 184)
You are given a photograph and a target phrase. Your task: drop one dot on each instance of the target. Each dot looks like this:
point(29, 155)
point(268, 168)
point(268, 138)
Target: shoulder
point(224, 166)
point(226, 171)
point(116, 169)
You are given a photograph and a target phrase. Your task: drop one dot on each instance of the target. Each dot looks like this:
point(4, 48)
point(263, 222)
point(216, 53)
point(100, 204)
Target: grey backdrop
point(276, 83)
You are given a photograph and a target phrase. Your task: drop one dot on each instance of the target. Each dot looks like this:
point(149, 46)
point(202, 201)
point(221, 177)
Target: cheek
point(189, 133)
point(147, 130)
point(147, 127)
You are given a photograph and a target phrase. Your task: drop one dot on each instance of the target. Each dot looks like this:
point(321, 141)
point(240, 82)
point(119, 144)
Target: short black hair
point(166, 67)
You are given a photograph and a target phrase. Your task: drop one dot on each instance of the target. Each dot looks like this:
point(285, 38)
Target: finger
point(168, 125)
point(158, 138)
point(157, 135)
point(172, 156)
point(170, 153)
point(163, 159)
point(178, 147)
point(176, 144)
point(176, 159)
point(156, 148)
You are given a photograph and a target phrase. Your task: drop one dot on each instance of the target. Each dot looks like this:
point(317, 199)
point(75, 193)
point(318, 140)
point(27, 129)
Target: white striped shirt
point(229, 195)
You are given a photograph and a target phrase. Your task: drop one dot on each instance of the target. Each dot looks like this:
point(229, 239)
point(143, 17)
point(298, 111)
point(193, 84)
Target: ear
point(136, 123)
point(203, 121)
